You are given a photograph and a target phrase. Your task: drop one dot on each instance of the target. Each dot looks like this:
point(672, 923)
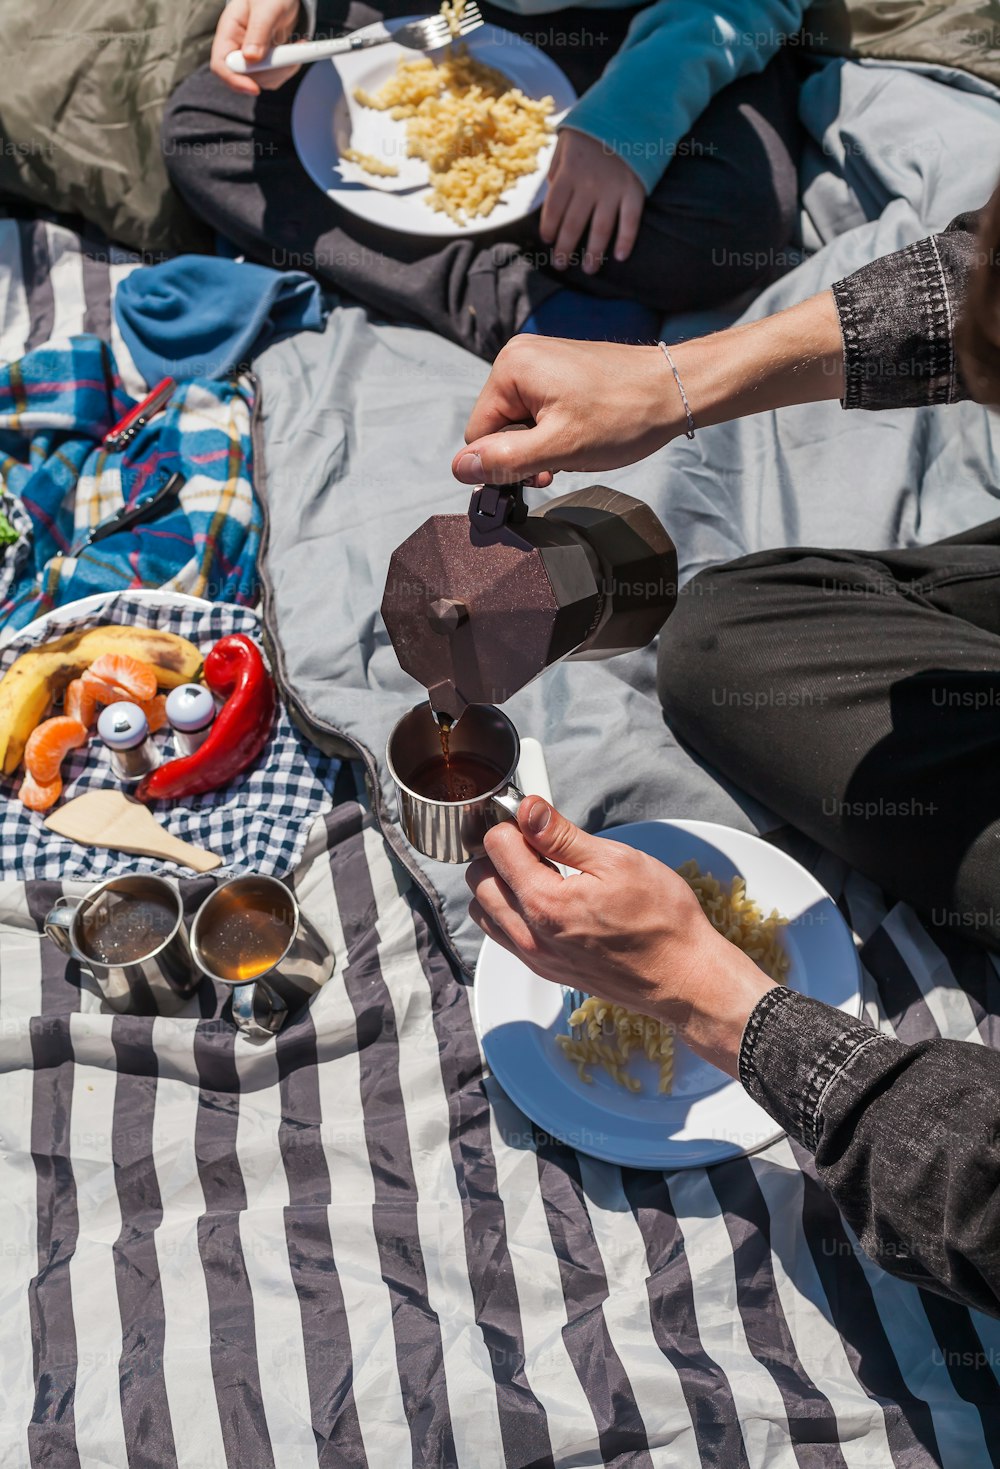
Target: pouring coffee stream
point(478, 605)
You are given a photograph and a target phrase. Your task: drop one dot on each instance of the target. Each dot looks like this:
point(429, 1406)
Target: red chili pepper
point(234, 670)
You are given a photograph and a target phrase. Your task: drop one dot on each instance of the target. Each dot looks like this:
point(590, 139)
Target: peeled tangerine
point(109, 678)
point(136, 679)
point(48, 745)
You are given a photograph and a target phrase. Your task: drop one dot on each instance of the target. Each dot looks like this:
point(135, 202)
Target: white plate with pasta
point(705, 1116)
point(360, 155)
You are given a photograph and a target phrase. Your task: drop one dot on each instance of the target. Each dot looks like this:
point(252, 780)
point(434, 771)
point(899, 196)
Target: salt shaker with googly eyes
point(190, 712)
point(124, 728)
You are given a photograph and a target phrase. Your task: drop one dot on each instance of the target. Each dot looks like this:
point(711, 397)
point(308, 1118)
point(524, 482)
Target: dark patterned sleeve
point(898, 316)
point(905, 1137)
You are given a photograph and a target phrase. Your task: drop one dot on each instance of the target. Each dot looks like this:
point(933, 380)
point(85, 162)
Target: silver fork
point(428, 34)
point(572, 1000)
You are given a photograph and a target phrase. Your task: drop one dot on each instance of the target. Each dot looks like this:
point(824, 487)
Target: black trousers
point(857, 694)
point(718, 222)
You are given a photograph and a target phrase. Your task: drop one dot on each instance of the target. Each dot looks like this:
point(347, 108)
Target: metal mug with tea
point(128, 933)
point(251, 935)
point(447, 807)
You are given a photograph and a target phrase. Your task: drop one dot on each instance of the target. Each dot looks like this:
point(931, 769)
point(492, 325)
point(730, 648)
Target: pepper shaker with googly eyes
point(190, 712)
point(124, 728)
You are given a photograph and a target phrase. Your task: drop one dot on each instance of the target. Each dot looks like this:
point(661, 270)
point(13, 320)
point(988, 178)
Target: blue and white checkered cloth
point(259, 822)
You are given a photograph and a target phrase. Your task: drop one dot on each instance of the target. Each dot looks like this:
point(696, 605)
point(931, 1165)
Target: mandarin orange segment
point(39, 797)
point(155, 711)
point(49, 743)
point(137, 679)
point(100, 690)
point(80, 702)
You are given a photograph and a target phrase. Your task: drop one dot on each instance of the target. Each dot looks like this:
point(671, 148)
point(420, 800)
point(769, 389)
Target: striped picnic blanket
point(346, 1247)
point(62, 386)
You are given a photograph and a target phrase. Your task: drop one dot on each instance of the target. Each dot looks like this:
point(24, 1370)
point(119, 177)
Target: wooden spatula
point(110, 819)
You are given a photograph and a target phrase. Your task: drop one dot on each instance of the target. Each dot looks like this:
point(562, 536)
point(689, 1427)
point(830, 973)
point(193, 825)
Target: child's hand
point(253, 27)
point(589, 184)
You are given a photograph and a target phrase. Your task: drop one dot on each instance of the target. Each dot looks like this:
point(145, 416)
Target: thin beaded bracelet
point(680, 388)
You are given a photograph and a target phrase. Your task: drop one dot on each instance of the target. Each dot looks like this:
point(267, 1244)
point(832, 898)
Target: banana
point(32, 683)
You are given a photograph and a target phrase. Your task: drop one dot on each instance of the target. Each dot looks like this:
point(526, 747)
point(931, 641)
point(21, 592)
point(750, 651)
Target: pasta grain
point(369, 163)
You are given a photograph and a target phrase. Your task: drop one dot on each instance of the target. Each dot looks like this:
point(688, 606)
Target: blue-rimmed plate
point(708, 1116)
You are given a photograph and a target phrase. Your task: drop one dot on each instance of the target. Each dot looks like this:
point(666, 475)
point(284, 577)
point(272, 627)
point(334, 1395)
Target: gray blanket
point(358, 427)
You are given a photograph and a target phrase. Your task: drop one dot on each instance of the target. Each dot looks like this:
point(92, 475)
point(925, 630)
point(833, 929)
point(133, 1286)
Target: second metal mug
point(158, 982)
point(453, 831)
point(263, 1001)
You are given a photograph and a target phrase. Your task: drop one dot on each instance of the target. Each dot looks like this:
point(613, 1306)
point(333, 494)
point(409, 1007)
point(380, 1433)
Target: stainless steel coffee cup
point(453, 831)
point(158, 981)
point(263, 1001)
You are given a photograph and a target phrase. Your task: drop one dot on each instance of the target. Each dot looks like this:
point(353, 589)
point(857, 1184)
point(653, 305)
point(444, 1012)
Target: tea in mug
point(244, 931)
point(126, 927)
point(457, 778)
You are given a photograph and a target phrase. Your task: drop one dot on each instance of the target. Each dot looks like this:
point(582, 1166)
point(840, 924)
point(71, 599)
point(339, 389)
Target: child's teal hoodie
point(677, 55)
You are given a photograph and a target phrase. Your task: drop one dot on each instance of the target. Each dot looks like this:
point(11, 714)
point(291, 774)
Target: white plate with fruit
point(86, 606)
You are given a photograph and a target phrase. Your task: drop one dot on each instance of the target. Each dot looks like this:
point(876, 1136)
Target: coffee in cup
point(450, 793)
